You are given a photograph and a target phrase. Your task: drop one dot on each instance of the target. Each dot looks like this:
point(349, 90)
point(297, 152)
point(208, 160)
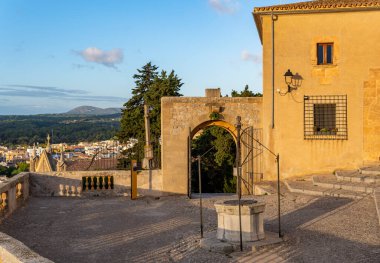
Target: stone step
point(307, 187)
point(330, 181)
point(357, 177)
point(370, 170)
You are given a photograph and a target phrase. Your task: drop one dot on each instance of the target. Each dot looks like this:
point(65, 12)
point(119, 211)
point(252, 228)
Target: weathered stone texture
point(371, 116)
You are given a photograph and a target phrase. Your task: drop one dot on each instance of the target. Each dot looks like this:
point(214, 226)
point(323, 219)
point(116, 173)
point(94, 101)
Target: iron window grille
point(325, 117)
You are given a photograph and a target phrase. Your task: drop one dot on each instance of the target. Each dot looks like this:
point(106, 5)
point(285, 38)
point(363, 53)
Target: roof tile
point(320, 4)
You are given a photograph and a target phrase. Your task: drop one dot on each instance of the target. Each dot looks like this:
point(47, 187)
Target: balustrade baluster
point(87, 184)
point(18, 190)
point(4, 204)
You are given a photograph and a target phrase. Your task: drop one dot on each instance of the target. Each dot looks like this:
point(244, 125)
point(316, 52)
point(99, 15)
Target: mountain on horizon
point(90, 110)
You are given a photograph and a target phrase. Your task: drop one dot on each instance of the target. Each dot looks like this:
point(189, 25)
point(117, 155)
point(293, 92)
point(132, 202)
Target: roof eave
point(311, 11)
point(257, 14)
point(259, 25)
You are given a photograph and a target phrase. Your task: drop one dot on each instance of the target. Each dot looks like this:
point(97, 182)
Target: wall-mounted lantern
point(293, 82)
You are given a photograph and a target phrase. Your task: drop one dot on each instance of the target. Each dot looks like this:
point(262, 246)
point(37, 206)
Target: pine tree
point(150, 87)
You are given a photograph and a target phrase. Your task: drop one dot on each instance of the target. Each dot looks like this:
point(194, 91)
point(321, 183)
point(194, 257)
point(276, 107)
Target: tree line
point(26, 130)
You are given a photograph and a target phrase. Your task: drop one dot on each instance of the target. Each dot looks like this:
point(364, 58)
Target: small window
point(325, 53)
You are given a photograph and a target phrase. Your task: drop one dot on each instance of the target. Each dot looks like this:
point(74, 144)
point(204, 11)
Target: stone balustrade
point(105, 182)
point(90, 183)
point(13, 193)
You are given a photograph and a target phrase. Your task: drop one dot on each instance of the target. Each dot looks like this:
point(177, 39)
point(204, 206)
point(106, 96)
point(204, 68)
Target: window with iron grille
point(325, 117)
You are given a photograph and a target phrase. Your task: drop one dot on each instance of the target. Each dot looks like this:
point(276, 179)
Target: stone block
point(213, 93)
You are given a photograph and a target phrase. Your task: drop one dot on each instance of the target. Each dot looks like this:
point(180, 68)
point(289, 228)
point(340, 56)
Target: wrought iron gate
point(251, 157)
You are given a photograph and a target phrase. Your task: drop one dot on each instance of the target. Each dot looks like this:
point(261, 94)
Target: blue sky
point(56, 55)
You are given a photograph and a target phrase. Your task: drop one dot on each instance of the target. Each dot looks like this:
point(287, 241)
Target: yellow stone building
point(332, 120)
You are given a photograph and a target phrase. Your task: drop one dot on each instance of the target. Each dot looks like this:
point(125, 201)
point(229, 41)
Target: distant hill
point(90, 110)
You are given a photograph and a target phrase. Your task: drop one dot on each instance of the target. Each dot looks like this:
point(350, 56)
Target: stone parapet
point(13, 251)
point(14, 192)
point(70, 184)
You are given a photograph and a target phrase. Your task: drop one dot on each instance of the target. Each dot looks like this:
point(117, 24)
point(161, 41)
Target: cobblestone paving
point(317, 229)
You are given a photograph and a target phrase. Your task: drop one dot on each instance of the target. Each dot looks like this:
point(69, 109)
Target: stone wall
point(181, 116)
point(70, 183)
point(371, 114)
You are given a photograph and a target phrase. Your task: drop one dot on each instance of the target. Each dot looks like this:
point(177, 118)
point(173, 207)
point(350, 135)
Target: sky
point(57, 55)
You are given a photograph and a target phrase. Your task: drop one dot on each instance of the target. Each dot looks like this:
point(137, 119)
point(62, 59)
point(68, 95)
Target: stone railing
point(102, 182)
point(94, 183)
point(13, 193)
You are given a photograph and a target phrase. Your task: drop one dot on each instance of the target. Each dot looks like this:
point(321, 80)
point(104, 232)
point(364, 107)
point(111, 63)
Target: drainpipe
point(274, 18)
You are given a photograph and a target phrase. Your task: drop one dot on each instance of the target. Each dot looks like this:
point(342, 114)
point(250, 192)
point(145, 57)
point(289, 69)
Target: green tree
point(216, 165)
point(245, 93)
point(21, 167)
point(12, 171)
point(150, 87)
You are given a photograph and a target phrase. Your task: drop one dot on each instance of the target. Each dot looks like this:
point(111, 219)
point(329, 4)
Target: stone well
point(252, 220)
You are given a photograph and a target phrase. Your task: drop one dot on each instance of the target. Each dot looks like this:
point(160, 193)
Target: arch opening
point(218, 139)
point(218, 123)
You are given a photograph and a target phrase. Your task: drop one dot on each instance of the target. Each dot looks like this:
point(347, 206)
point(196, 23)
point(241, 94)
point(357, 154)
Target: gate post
point(133, 179)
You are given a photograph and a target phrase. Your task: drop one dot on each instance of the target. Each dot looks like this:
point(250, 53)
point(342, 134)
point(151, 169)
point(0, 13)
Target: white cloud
point(31, 91)
point(225, 6)
point(107, 58)
point(247, 56)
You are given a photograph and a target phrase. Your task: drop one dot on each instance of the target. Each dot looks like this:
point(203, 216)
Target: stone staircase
point(354, 184)
point(348, 184)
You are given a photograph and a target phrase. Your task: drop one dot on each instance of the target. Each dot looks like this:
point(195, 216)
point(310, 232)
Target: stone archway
point(182, 117)
point(220, 123)
point(231, 129)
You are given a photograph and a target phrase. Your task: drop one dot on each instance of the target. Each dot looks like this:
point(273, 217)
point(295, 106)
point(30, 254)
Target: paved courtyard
point(317, 229)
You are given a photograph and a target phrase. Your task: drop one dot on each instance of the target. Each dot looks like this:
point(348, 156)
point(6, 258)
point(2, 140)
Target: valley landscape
point(83, 123)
